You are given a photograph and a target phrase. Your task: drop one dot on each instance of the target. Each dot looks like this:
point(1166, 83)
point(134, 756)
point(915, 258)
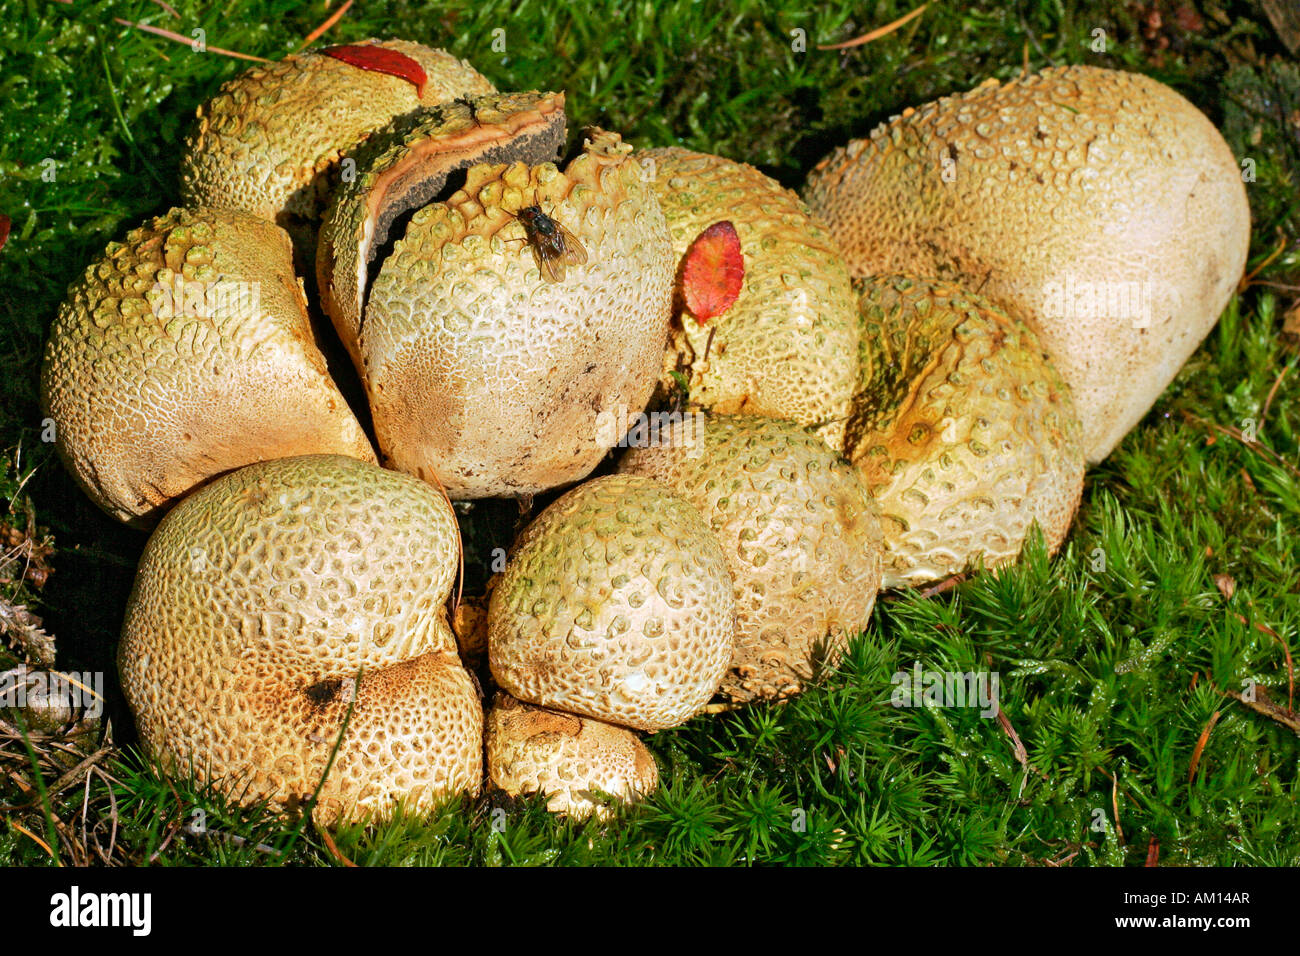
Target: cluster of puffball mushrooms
point(921, 357)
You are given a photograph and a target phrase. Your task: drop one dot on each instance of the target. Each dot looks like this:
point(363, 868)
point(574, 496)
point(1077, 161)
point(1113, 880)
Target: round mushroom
point(1100, 206)
point(962, 430)
point(296, 605)
point(489, 372)
point(187, 351)
point(616, 603)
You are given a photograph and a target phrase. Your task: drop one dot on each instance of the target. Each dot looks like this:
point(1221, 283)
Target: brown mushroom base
point(583, 765)
point(263, 736)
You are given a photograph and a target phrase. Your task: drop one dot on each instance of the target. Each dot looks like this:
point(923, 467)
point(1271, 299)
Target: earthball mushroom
point(616, 603)
point(486, 370)
point(583, 766)
point(786, 347)
point(184, 352)
point(294, 605)
point(1100, 206)
point(962, 430)
point(269, 143)
point(800, 532)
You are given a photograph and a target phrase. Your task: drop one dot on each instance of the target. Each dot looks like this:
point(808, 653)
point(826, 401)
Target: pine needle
point(188, 41)
point(877, 33)
point(316, 34)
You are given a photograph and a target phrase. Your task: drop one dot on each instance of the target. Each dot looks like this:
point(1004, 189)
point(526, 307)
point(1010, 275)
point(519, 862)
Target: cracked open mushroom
point(271, 141)
point(487, 372)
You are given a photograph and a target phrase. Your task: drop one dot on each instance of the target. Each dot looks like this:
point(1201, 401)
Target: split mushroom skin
point(962, 430)
point(405, 166)
point(617, 604)
point(184, 352)
point(786, 347)
point(270, 141)
point(583, 766)
point(486, 378)
point(1099, 205)
point(800, 532)
point(290, 598)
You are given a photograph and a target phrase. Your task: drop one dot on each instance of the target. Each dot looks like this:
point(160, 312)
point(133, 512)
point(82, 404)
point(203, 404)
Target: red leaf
point(379, 59)
point(713, 271)
point(4, 230)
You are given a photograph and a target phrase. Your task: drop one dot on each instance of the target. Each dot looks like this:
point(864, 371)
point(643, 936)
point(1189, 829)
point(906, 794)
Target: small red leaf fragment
point(379, 59)
point(713, 271)
point(4, 230)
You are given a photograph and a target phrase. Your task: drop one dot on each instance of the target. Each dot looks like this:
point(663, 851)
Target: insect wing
point(551, 264)
point(572, 252)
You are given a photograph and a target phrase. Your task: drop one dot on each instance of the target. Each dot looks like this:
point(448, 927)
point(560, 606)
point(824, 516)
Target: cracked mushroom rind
point(579, 763)
point(270, 139)
point(963, 431)
point(489, 379)
point(258, 602)
point(616, 604)
point(1100, 206)
point(187, 351)
point(405, 166)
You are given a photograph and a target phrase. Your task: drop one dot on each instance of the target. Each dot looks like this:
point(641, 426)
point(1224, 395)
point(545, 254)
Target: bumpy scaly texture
point(616, 604)
point(800, 532)
point(963, 431)
point(258, 601)
point(267, 141)
point(1101, 206)
point(573, 760)
point(406, 164)
point(187, 351)
point(785, 348)
point(492, 380)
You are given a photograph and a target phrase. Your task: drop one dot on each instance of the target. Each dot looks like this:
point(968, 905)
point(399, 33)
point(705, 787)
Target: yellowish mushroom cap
point(578, 762)
point(184, 352)
point(616, 603)
point(274, 601)
point(787, 347)
point(962, 430)
point(490, 379)
point(1100, 206)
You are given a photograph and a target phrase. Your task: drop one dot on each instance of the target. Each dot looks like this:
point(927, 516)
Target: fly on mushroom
point(554, 247)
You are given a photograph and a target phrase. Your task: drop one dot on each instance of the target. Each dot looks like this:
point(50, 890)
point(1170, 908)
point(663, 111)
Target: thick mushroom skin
point(487, 378)
point(1100, 206)
point(187, 351)
point(267, 142)
point(962, 430)
point(287, 599)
